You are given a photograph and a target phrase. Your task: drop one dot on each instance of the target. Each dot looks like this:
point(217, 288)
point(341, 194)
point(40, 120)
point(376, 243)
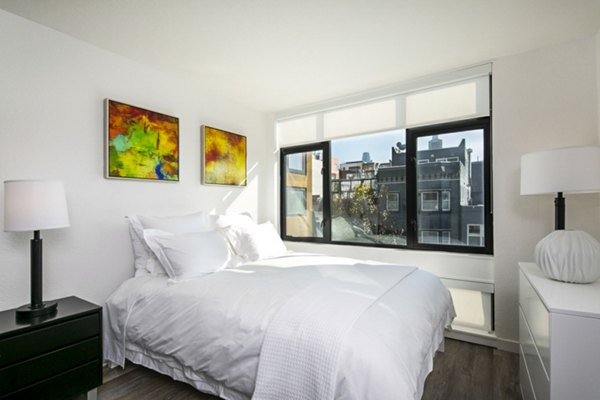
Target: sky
point(379, 145)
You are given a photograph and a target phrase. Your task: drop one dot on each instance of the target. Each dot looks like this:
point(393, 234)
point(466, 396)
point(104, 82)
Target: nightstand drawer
point(537, 374)
point(62, 386)
point(17, 348)
point(538, 319)
point(35, 369)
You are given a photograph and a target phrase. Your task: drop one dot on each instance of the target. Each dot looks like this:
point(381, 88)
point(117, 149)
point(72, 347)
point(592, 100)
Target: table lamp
point(564, 255)
point(35, 205)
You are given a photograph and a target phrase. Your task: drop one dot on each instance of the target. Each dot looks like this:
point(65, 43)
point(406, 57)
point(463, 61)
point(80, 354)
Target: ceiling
point(277, 54)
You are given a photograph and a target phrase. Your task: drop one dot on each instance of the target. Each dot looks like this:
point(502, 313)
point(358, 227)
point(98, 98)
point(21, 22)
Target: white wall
point(598, 78)
point(541, 99)
point(468, 267)
point(52, 89)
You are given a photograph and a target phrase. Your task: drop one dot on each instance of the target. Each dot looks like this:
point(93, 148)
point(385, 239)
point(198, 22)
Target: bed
point(297, 326)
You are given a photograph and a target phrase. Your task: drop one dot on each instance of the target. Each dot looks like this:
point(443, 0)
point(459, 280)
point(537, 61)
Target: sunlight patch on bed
point(239, 271)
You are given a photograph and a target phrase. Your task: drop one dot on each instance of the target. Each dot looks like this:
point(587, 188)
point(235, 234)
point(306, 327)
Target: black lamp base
point(28, 313)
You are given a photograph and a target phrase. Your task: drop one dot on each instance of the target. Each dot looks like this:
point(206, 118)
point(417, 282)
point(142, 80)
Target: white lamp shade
point(568, 170)
point(31, 205)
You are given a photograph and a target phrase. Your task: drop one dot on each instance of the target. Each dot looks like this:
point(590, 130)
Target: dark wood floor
point(471, 372)
point(464, 371)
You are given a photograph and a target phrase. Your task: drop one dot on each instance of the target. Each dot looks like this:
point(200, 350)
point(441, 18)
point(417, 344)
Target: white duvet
point(209, 331)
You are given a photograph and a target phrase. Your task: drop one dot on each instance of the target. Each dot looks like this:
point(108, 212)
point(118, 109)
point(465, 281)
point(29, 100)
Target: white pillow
point(140, 252)
point(145, 260)
point(196, 222)
point(188, 255)
point(255, 242)
point(243, 219)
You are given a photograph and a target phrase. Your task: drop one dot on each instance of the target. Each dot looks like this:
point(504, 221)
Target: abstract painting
point(223, 158)
point(141, 144)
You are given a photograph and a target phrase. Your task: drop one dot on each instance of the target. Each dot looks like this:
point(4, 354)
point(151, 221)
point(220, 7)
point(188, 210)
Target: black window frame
point(412, 196)
point(412, 135)
point(283, 152)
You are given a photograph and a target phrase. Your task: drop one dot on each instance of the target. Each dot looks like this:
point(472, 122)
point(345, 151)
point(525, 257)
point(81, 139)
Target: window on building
point(393, 202)
point(296, 201)
point(431, 237)
point(296, 164)
point(445, 237)
point(475, 235)
point(429, 201)
point(446, 200)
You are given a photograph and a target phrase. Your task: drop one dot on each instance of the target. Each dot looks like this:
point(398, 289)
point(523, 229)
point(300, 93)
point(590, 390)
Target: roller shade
point(436, 99)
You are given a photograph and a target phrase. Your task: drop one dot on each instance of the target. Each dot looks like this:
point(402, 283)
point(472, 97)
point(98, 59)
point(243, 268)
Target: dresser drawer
point(538, 319)
point(35, 369)
point(539, 379)
point(21, 347)
point(72, 382)
point(525, 381)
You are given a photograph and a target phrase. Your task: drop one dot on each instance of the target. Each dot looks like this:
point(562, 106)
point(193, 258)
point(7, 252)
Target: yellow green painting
point(224, 157)
point(142, 144)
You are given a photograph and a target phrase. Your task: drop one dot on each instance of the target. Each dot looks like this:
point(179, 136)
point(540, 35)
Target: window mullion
point(326, 191)
point(411, 189)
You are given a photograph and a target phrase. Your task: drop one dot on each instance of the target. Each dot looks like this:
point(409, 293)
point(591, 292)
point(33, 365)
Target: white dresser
point(559, 335)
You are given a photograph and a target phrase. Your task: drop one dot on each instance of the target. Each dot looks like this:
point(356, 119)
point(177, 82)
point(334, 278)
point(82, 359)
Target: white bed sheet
point(209, 331)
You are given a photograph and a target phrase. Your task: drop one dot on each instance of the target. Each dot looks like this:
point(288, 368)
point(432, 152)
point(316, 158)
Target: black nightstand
point(56, 358)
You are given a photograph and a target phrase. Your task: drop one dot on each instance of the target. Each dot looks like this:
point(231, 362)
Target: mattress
point(210, 331)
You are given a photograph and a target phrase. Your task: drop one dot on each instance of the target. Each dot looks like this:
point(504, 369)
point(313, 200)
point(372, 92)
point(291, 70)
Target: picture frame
point(224, 157)
point(140, 144)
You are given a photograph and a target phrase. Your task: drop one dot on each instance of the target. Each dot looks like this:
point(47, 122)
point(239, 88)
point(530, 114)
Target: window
point(367, 211)
point(373, 197)
point(393, 202)
point(446, 237)
point(429, 237)
point(462, 186)
point(296, 164)
point(475, 234)
point(303, 191)
point(383, 167)
point(429, 201)
point(296, 201)
point(447, 159)
point(446, 200)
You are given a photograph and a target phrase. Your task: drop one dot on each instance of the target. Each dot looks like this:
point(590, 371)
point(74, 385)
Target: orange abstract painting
point(224, 157)
point(141, 144)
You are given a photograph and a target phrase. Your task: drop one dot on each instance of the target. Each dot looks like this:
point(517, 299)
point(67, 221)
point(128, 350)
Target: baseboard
point(484, 339)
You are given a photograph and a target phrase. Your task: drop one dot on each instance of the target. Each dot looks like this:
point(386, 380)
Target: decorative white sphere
point(569, 256)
